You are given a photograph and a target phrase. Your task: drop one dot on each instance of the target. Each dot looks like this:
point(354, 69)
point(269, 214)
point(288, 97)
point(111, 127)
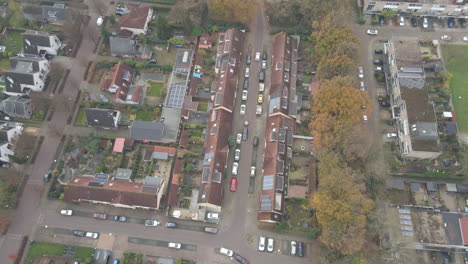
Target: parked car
point(378, 69)
point(364, 118)
point(246, 84)
point(402, 21)
point(241, 259)
point(392, 135)
point(260, 98)
point(360, 72)
point(245, 134)
point(381, 21)
point(293, 248)
point(248, 60)
point(233, 184)
point(86, 96)
point(257, 56)
point(445, 37)
point(414, 22)
point(270, 244)
point(239, 138)
point(450, 22)
point(79, 233)
point(235, 168)
point(101, 216)
point(300, 249)
point(465, 38)
point(372, 32)
point(151, 223)
point(264, 65)
point(174, 245)
point(48, 176)
point(92, 235)
point(247, 72)
point(425, 22)
point(252, 171)
point(214, 216)
point(261, 76)
point(362, 87)
point(259, 110)
point(378, 62)
point(462, 22)
point(5, 165)
point(242, 109)
point(237, 155)
point(379, 51)
point(99, 21)
point(213, 230)
point(171, 225)
point(226, 252)
point(120, 218)
point(244, 95)
point(261, 243)
point(66, 212)
point(255, 141)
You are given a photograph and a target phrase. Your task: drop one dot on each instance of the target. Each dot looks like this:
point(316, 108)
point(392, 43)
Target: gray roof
point(13, 81)
point(451, 128)
point(101, 256)
point(432, 187)
point(184, 57)
point(160, 155)
point(54, 13)
point(123, 46)
point(165, 261)
point(172, 122)
point(105, 118)
point(123, 174)
point(425, 130)
point(395, 184)
point(153, 180)
point(17, 106)
point(145, 130)
point(32, 39)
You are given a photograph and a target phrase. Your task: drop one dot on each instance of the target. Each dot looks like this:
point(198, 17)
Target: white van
point(402, 21)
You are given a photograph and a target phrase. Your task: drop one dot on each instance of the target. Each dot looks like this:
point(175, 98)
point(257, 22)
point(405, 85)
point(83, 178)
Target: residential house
point(103, 118)
point(280, 127)
point(137, 19)
point(426, 8)
point(101, 189)
point(159, 152)
point(205, 42)
point(411, 108)
point(56, 14)
point(9, 133)
point(26, 74)
point(120, 83)
point(17, 106)
point(40, 43)
point(147, 131)
point(230, 45)
point(128, 48)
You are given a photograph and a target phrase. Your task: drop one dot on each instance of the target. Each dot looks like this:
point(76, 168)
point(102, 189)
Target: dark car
point(462, 22)
point(261, 76)
point(171, 225)
point(450, 22)
point(414, 22)
point(120, 218)
point(300, 249)
point(248, 60)
point(381, 21)
point(49, 56)
point(246, 84)
point(241, 259)
point(47, 176)
point(378, 51)
point(245, 134)
point(152, 61)
point(264, 56)
point(79, 233)
point(255, 141)
point(4, 165)
point(378, 62)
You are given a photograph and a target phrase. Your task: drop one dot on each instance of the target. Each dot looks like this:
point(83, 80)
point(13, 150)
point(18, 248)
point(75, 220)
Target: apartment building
point(429, 8)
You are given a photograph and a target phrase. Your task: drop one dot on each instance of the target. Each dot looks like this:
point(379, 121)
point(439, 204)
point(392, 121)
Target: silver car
point(237, 155)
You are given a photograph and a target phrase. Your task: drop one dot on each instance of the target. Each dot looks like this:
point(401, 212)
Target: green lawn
point(144, 116)
point(84, 254)
point(202, 107)
point(155, 89)
point(81, 118)
point(13, 44)
point(456, 61)
point(39, 249)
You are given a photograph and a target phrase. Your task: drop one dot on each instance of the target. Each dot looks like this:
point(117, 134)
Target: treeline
point(341, 202)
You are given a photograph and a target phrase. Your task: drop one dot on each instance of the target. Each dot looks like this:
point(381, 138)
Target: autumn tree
point(341, 210)
point(330, 42)
point(337, 109)
point(335, 65)
point(241, 10)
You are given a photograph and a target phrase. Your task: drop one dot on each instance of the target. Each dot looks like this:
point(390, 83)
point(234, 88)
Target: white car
point(99, 21)
point(92, 235)
point(378, 69)
point(244, 95)
point(362, 87)
point(465, 38)
point(213, 216)
point(259, 110)
point(242, 109)
point(445, 37)
point(392, 135)
point(247, 72)
point(263, 65)
point(239, 138)
point(235, 167)
point(237, 155)
point(270, 244)
point(174, 245)
point(151, 223)
point(66, 212)
point(372, 32)
point(425, 22)
point(293, 248)
point(361, 73)
point(261, 243)
point(257, 56)
point(252, 171)
point(402, 21)
point(226, 252)
point(364, 118)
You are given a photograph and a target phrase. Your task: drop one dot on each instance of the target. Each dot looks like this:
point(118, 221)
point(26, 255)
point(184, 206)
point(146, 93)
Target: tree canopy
point(241, 10)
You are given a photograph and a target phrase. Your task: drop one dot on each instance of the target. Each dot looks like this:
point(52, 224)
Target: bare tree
point(56, 71)
point(99, 6)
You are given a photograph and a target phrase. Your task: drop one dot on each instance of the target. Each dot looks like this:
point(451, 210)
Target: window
point(217, 177)
point(206, 175)
point(268, 183)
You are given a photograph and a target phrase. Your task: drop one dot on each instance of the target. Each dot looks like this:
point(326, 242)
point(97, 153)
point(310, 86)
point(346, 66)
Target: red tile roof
point(173, 199)
point(136, 18)
point(205, 41)
point(169, 150)
point(112, 192)
point(118, 73)
point(184, 138)
point(464, 230)
point(119, 145)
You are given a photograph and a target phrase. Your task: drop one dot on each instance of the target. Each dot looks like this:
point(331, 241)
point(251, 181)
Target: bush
point(130, 63)
point(105, 64)
point(281, 227)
